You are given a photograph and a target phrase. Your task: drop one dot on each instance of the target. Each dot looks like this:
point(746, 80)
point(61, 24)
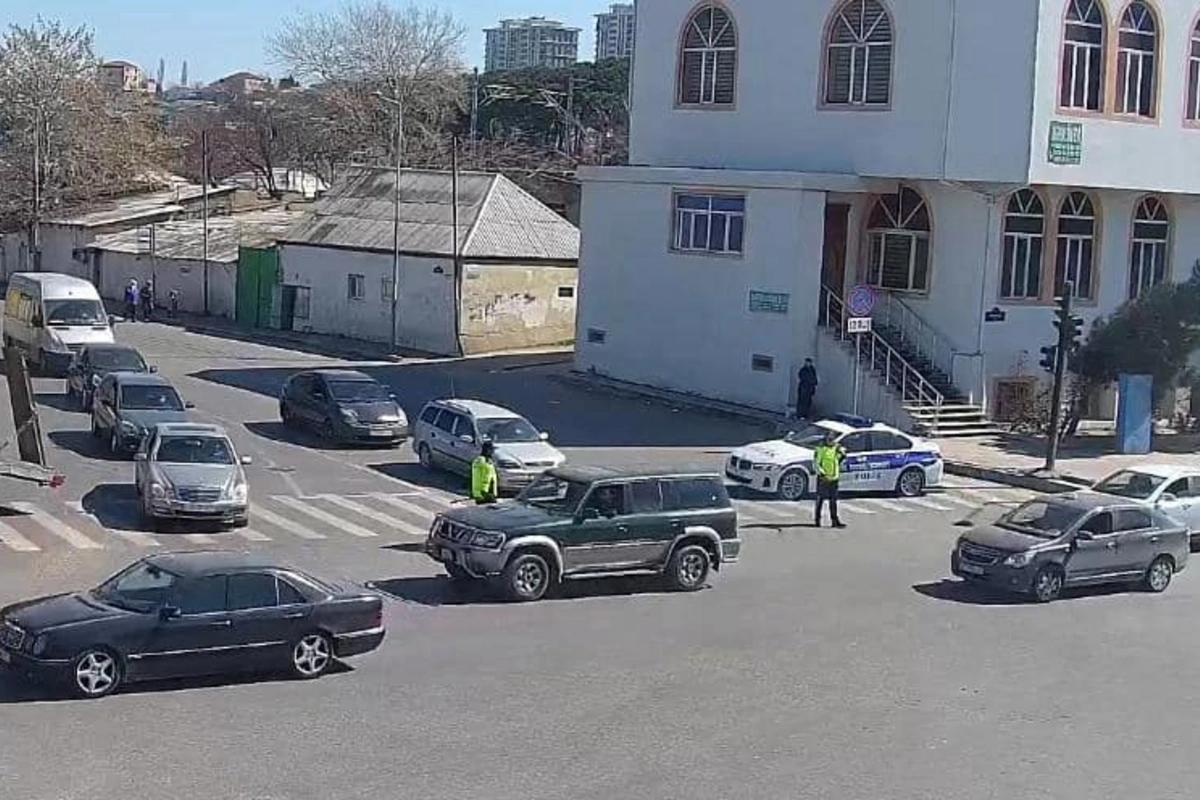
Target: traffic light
point(1049, 357)
point(1070, 328)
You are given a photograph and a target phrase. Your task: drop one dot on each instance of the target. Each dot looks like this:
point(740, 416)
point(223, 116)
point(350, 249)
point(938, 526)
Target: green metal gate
point(258, 273)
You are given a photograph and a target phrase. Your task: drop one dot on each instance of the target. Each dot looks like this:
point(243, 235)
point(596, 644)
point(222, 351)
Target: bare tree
point(65, 140)
point(412, 55)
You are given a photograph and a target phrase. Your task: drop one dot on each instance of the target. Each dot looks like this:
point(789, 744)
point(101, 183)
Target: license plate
point(971, 570)
point(382, 434)
point(4, 656)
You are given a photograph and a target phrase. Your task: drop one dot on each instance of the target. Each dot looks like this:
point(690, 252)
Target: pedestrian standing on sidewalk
point(827, 458)
point(147, 300)
point(483, 475)
point(806, 387)
point(173, 300)
point(131, 300)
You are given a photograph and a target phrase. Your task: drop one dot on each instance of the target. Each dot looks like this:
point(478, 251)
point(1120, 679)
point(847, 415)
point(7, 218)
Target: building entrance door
point(833, 251)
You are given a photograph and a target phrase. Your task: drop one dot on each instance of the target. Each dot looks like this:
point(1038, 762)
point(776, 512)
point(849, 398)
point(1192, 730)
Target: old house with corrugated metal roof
point(495, 270)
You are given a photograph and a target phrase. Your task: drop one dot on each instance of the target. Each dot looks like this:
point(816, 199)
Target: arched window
point(1192, 105)
point(858, 59)
point(898, 238)
point(1148, 251)
point(1024, 243)
point(1076, 245)
point(1137, 56)
point(708, 58)
point(1082, 79)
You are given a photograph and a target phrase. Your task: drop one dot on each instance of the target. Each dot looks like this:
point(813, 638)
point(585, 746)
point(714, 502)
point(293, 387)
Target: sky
point(217, 37)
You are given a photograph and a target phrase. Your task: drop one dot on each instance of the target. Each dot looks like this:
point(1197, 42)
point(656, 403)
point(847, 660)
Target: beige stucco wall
point(511, 307)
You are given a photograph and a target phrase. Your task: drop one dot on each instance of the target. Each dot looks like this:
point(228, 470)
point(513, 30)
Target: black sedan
point(93, 362)
point(343, 405)
point(185, 614)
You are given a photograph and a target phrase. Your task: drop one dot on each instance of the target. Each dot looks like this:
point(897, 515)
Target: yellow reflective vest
point(483, 479)
point(827, 459)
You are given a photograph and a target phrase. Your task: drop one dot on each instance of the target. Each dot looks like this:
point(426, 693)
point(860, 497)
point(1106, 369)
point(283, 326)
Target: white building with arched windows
point(963, 161)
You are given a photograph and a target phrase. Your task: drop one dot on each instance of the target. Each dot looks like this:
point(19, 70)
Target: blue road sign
point(861, 300)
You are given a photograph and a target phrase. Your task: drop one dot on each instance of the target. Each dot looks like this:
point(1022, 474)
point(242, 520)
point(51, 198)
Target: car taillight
point(57, 480)
point(378, 616)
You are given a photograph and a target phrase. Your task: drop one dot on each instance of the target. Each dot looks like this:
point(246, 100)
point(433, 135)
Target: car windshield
point(75, 312)
point(1130, 483)
point(809, 437)
point(507, 429)
point(194, 450)
point(141, 587)
point(358, 391)
point(150, 398)
point(554, 494)
point(1041, 518)
point(117, 360)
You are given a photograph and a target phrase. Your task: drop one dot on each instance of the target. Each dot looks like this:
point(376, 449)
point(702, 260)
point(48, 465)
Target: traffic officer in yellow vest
point(483, 475)
point(827, 460)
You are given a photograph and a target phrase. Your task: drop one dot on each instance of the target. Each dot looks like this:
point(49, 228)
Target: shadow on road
point(419, 476)
point(58, 401)
point(573, 415)
point(278, 432)
point(442, 591)
point(114, 505)
point(84, 444)
point(975, 595)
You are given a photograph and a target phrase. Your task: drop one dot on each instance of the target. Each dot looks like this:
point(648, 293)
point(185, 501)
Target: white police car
point(879, 458)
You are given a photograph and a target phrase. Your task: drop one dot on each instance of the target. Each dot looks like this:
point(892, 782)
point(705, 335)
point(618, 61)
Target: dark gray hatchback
point(1056, 541)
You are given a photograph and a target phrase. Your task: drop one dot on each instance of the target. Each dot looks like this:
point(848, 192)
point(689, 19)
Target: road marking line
point(200, 538)
point(760, 512)
point(927, 503)
point(57, 527)
point(431, 502)
point(389, 520)
point(949, 498)
point(15, 541)
point(297, 504)
point(252, 535)
point(886, 504)
point(853, 508)
point(136, 538)
point(407, 507)
point(284, 523)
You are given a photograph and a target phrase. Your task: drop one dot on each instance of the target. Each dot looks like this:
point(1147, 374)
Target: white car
point(879, 458)
point(1174, 489)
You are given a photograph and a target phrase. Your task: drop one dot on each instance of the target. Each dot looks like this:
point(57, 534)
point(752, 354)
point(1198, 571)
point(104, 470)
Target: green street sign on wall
point(769, 302)
point(1066, 143)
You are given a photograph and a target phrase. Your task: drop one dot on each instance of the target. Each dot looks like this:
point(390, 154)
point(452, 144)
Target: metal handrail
point(880, 356)
point(914, 331)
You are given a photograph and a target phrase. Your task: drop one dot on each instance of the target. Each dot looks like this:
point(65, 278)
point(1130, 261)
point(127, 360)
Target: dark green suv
point(587, 522)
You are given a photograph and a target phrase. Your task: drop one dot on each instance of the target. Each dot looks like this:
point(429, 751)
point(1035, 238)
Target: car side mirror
point(169, 612)
point(1085, 536)
point(1167, 497)
point(391, 395)
point(154, 369)
point(468, 438)
point(247, 461)
point(545, 437)
point(189, 405)
point(588, 513)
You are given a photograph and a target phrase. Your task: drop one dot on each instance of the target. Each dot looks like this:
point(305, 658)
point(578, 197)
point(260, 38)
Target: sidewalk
point(1082, 460)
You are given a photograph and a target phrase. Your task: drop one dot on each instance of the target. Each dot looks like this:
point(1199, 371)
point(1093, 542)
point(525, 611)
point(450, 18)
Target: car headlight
point(237, 492)
point(158, 491)
point(57, 345)
point(40, 643)
point(761, 467)
point(350, 415)
point(129, 428)
point(508, 463)
point(1019, 559)
point(488, 540)
point(95, 380)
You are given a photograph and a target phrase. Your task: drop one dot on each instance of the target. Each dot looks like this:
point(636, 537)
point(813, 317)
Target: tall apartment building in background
point(615, 31)
point(530, 42)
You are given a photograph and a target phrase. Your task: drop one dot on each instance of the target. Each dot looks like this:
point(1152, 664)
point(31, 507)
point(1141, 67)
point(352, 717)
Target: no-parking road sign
point(861, 300)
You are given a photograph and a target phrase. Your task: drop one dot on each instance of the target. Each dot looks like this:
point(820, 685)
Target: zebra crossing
point(380, 518)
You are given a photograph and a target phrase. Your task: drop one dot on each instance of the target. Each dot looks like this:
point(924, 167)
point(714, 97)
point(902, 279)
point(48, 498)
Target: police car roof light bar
point(853, 420)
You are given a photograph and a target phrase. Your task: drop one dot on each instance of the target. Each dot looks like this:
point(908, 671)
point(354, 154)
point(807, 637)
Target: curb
point(1011, 477)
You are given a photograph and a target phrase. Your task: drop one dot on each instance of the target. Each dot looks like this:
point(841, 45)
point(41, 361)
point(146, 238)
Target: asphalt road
point(825, 664)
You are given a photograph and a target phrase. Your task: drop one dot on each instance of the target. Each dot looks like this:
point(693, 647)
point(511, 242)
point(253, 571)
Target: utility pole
point(36, 234)
point(204, 209)
point(474, 109)
point(1069, 327)
point(571, 116)
point(456, 248)
point(396, 102)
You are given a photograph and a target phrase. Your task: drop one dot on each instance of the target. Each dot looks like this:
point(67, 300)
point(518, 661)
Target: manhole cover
point(281, 469)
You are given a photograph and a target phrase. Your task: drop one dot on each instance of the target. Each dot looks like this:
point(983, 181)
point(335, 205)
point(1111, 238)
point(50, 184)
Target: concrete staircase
point(913, 360)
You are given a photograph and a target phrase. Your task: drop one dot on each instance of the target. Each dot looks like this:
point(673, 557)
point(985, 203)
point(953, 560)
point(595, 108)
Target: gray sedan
point(188, 471)
point(1078, 539)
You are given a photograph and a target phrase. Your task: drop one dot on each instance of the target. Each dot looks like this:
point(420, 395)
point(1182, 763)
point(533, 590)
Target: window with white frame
point(1024, 244)
point(356, 287)
point(1148, 253)
point(709, 223)
point(1192, 105)
point(708, 58)
point(1137, 52)
point(858, 55)
point(898, 242)
point(1076, 250)
point(385, 290)
point(1082, 78)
